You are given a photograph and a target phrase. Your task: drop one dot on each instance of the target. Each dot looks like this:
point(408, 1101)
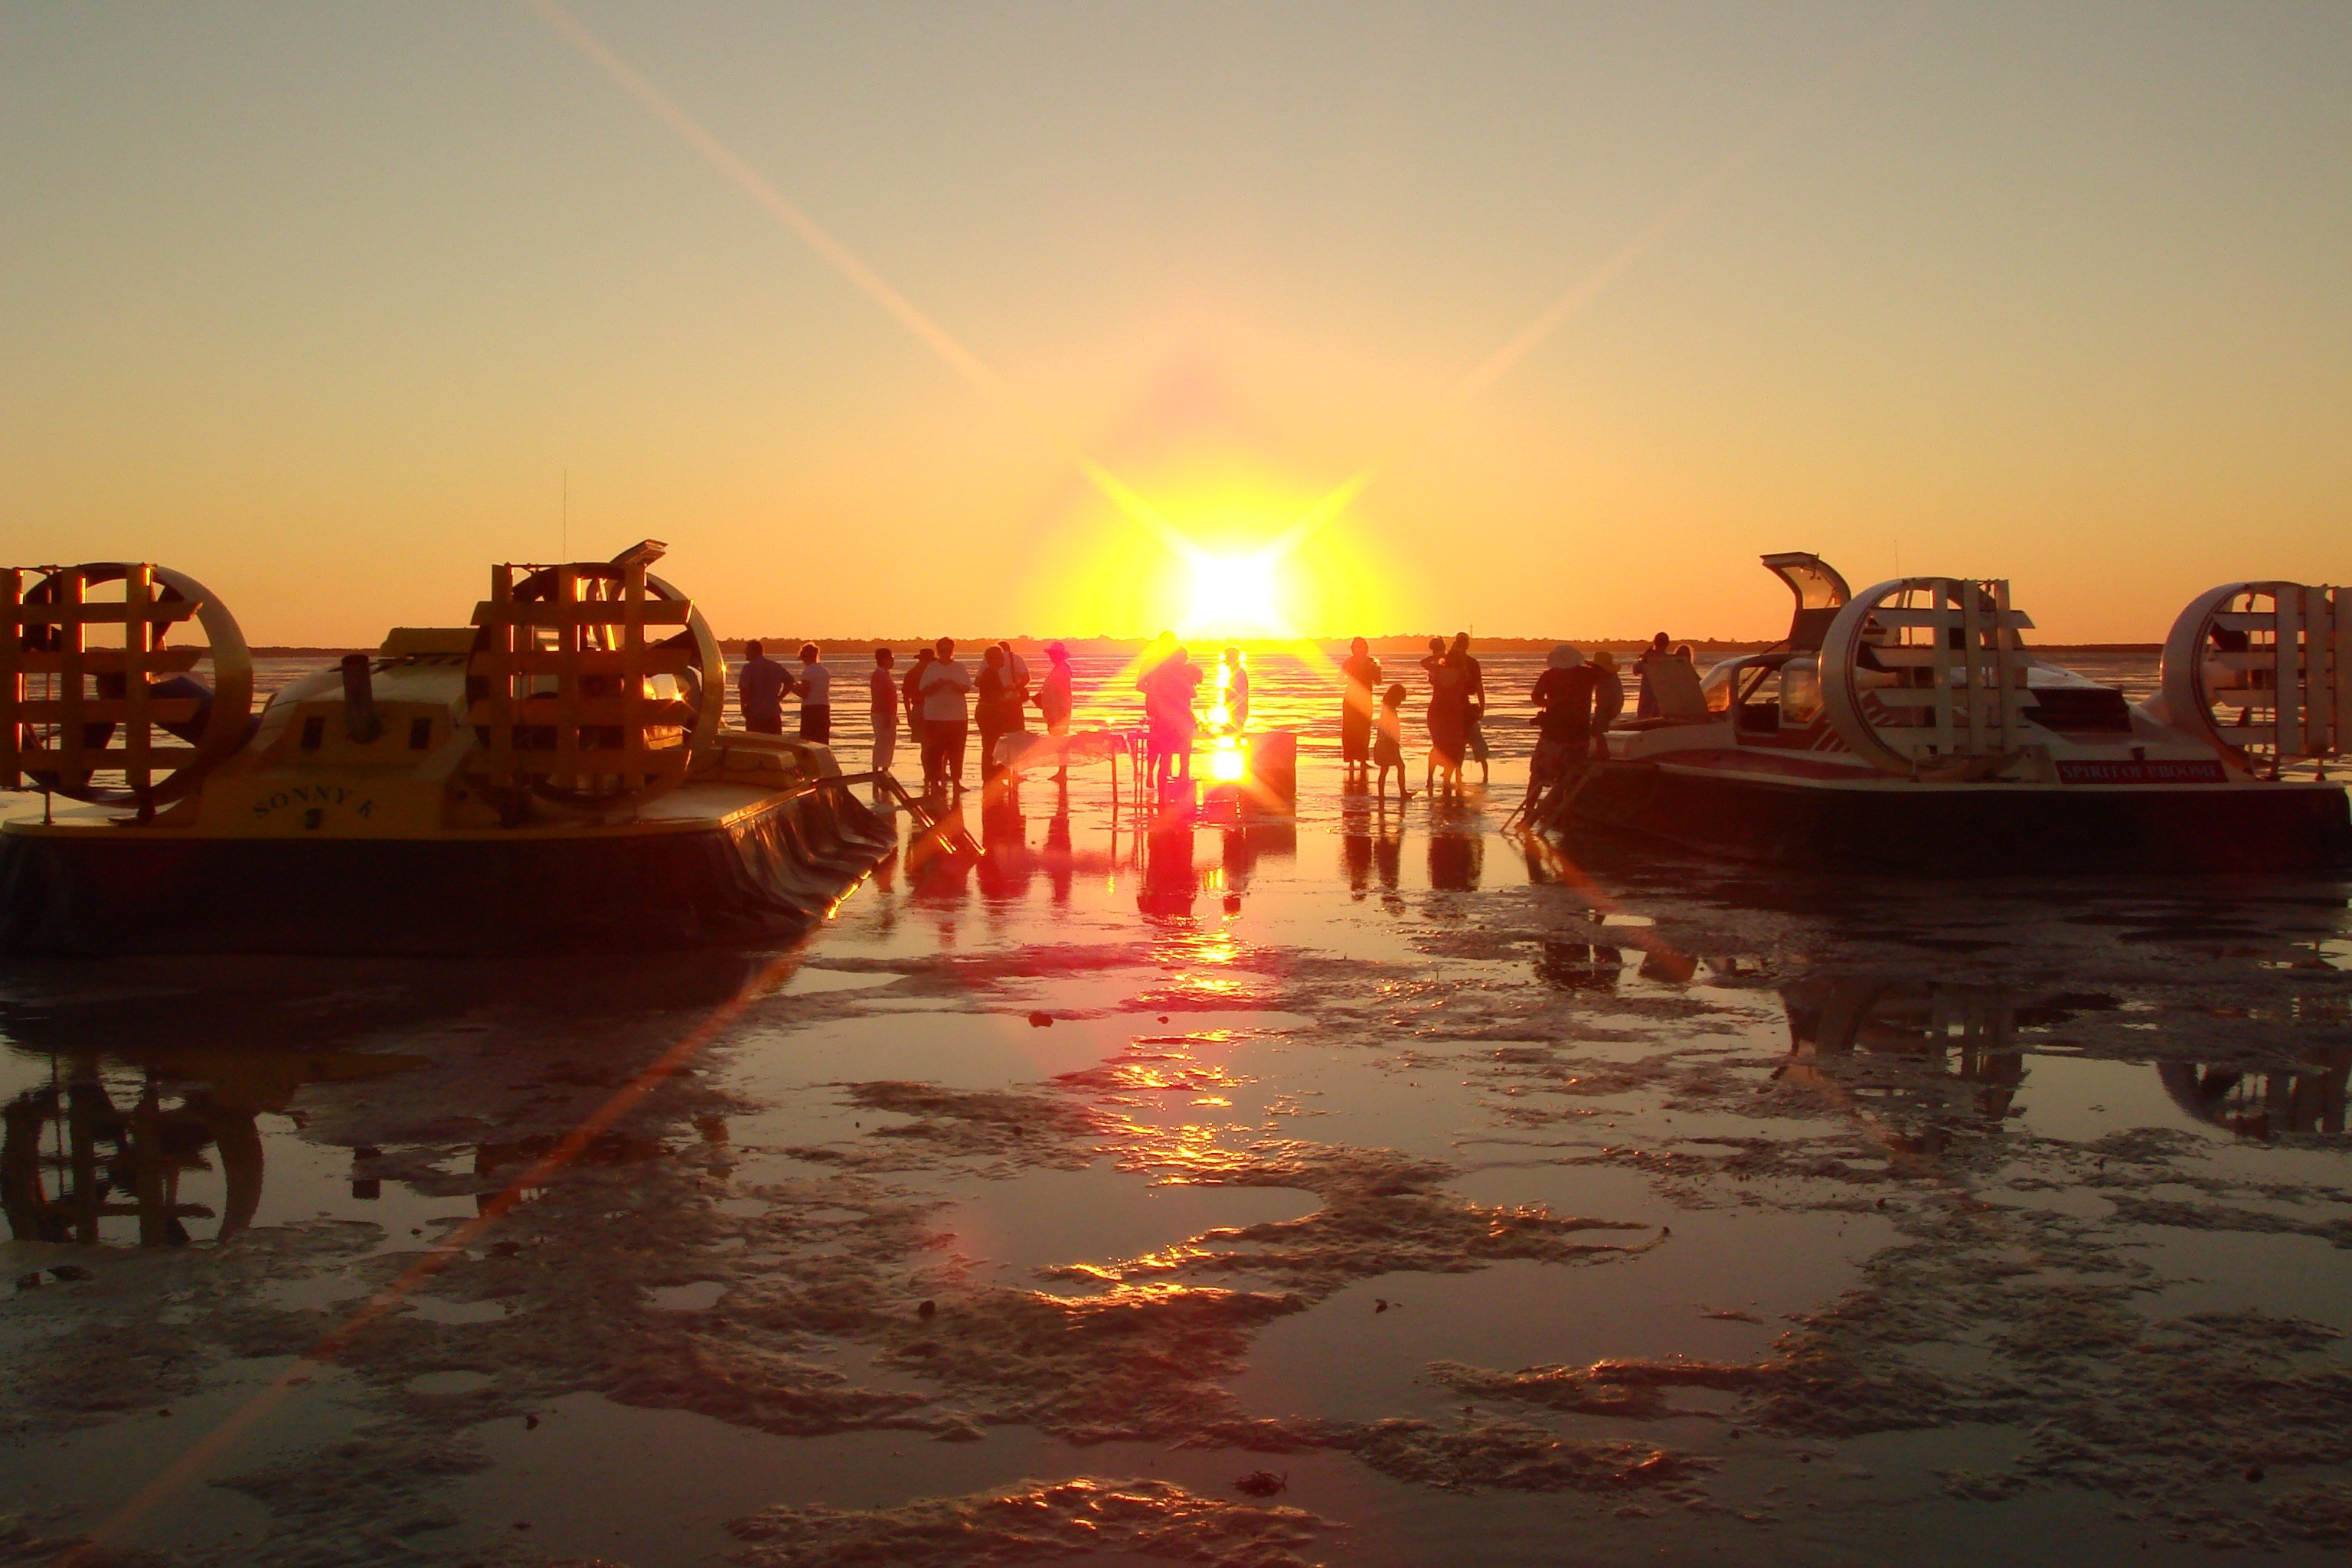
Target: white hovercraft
point(1908, 728)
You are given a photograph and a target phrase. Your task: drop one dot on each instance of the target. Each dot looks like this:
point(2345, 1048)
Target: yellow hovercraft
point(554, 775)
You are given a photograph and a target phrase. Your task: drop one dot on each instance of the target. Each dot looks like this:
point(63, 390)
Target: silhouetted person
point(1147, 681)
point(1563, 721)
point(1055, 701)
point(1236, 692)
point(760, 687)
point(1449, 713)
point(1645, 706)
point(997, 709)
point(1169, 694)
point(1388, 742)
point(1358, 706)
point(910, 697)
point(947, 723)
point(1608, 699)
point(1473, 696)
point(882, 694)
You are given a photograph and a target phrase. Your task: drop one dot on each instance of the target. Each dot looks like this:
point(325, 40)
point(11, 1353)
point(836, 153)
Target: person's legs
point(764, 724)
point(1060, 729)
point(953, 734)
point(816, 724)
point(886, 742)
point(1541, 770)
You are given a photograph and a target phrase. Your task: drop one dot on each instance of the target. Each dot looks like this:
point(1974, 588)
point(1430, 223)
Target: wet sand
point(1473, 1201)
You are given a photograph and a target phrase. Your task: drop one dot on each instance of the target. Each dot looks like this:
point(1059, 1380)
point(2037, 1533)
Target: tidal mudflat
point(1371, 1188)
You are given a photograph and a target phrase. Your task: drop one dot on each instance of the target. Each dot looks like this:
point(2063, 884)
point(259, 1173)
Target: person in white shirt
point(947, 720)
point(814, 682)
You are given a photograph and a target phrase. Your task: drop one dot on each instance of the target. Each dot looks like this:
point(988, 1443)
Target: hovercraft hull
point(754, 876)
point(1964, 830)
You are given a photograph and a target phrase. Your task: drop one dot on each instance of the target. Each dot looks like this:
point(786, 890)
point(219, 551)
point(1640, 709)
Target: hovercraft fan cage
point(94, 705)
point(587, 682)
point(1923, 672)
point(2263, 672)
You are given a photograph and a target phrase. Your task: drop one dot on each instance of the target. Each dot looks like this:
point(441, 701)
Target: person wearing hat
point(1563, 721)
point(1053, 701)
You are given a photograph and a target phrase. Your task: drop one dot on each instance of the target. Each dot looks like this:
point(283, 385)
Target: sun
point(1234, 596)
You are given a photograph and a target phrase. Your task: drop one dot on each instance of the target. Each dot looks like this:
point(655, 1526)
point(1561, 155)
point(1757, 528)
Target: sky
point(1539, 320)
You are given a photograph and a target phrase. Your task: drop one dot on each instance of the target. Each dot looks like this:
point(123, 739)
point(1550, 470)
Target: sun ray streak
point(983, 376)
point(1597, 281)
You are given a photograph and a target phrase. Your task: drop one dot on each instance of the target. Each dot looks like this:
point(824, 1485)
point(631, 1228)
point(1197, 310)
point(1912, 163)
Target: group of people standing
point(1170, 684)
point(1577, 701)
point(1371, 733)
point(941, 698)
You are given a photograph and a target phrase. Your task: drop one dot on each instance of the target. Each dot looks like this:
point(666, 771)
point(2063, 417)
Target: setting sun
point(1234, 596)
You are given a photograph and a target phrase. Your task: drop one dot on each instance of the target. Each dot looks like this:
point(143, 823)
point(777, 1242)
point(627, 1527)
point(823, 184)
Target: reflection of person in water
point(1388, 855)
point(1006, 867)
point(1457, 860)
point(1356, 859)
point(1059, 858)
point(1171, 881)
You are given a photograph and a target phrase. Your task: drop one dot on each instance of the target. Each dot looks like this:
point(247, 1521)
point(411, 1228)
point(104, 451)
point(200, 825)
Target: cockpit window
point(1800, 691)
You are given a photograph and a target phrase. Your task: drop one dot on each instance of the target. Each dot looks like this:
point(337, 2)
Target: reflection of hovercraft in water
point(2303, 1104)
point(1923, 1055)
point(553, 775)
point(1909, 728)
point(72, 1159)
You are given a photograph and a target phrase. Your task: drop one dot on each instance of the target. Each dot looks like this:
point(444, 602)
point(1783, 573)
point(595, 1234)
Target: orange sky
point(321, 304)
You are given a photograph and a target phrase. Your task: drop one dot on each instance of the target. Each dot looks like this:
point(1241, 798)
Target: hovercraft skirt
point(766, 874)
point(1964, 830)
